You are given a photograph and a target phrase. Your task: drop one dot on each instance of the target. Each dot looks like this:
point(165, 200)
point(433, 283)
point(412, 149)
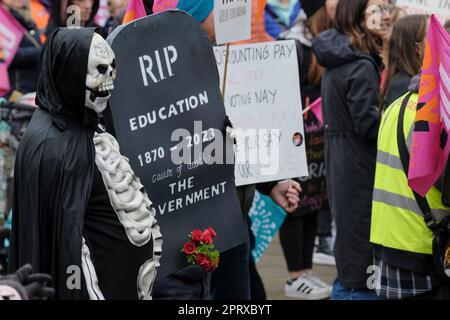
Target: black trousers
point(186, 284)
point(231, 280)
point(324, 224)
point(257, 290)
point(297, 235)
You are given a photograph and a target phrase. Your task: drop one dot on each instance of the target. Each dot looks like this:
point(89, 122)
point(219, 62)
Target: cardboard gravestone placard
point(168, 85)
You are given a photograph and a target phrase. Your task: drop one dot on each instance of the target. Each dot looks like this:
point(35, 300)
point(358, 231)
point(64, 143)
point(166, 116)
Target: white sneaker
point(323, 259)
point(310, 275)
point(304, 288)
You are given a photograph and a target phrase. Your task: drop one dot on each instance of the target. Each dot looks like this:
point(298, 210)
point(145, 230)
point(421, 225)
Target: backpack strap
point(405, 157)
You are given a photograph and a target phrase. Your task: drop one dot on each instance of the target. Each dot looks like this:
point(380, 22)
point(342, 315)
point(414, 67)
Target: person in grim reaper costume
point(77, 204)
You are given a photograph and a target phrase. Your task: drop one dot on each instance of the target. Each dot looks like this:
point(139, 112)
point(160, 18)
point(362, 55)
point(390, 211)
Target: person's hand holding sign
point(286, 195)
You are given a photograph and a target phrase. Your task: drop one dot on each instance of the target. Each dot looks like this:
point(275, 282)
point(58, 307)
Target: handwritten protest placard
point(441, 8)
point(232, 20)
point(264, 104)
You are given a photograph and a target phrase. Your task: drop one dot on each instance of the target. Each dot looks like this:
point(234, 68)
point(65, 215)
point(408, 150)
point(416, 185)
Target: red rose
point(204, 262)
point(189, 247)
point(206, 237)
point(196, 235)
point(212, 232)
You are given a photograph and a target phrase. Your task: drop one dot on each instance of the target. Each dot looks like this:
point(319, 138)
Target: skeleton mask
point(100, 74)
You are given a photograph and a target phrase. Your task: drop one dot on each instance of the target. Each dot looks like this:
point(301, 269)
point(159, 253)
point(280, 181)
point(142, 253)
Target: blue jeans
point(341, 293)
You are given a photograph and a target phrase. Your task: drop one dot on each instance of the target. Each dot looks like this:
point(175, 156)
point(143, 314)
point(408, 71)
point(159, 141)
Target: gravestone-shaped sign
point(169, 119)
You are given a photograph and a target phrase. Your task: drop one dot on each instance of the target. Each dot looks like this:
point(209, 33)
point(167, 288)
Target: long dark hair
point(350, 20)
point(317, 23)
point(404, 56)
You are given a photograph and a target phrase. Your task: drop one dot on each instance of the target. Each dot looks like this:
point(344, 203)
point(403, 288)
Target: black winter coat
point(350, 90)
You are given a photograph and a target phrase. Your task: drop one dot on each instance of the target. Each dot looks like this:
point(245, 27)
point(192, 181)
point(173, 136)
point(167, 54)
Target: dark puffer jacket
point(350, 90)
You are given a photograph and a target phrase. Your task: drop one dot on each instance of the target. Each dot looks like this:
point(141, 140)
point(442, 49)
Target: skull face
point(101, 74)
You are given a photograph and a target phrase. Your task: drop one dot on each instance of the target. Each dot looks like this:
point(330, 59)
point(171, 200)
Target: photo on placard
point(297, 139)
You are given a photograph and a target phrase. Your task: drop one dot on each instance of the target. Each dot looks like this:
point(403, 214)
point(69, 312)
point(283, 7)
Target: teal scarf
point(283, 11)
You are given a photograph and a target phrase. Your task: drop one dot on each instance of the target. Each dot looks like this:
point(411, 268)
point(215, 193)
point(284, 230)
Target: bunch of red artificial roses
point(199, 249)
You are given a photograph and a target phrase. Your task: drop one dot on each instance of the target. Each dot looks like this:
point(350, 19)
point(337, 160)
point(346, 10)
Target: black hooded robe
point(54, 168)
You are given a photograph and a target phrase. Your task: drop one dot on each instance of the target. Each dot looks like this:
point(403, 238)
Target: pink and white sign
point(162, 5)
point(11, 34)
point(102, 13)
point(431, 141)
point(4, 79)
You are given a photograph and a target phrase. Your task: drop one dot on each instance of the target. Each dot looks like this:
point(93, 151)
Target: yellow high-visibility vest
point(397, 221)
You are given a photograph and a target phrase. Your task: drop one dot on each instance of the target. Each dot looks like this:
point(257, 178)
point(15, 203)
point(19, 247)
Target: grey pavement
point(273, 271)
